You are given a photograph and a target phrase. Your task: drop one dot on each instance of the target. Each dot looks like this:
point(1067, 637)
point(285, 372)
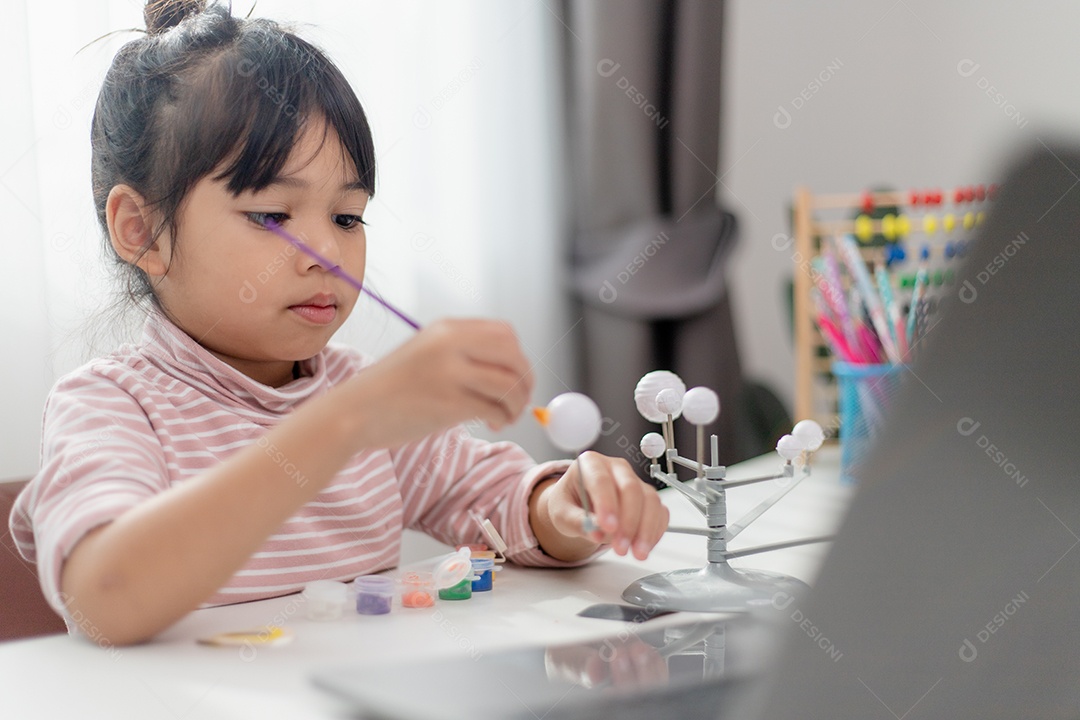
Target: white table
point(173, 677)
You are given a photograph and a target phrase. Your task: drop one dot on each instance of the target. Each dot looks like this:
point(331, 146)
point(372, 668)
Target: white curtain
point(468, 218)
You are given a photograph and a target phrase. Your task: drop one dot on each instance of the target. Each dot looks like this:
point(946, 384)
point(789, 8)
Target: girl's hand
point(450, 372)
point(628, 511)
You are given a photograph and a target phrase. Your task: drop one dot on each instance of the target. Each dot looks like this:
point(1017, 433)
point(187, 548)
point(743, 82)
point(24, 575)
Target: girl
point(232, 454)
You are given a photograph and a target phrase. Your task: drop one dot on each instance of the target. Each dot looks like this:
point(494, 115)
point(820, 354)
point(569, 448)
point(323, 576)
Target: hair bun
point(160, 15)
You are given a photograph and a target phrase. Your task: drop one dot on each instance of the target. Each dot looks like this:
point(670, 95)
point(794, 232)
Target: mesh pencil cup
point(865, 393)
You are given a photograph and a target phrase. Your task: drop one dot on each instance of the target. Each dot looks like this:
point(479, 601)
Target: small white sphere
point(573, 422)
point(649, 386)
point(669, 402)
point(653, 445)
point(700, 405)
point(789, 447)
point(810, 432)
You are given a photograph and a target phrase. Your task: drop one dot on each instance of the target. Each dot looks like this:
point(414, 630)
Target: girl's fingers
point(631, 501)
point(629, 512)
point(654, 524)
point(603, 492)
point(499, 387)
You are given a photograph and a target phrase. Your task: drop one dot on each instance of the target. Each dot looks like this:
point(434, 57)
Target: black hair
point(205, 89)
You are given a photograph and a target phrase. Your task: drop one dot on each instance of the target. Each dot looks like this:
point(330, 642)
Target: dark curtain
point(649, 245)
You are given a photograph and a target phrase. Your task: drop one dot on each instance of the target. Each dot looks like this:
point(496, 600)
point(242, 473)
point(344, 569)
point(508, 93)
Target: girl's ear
point(131, 232)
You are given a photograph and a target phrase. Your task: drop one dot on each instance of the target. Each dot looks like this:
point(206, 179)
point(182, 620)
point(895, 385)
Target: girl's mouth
point(318, 314)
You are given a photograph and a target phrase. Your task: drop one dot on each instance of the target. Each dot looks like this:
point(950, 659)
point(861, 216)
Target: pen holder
point(865, 393)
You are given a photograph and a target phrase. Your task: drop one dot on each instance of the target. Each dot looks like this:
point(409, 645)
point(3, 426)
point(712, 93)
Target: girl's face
point(247, 295)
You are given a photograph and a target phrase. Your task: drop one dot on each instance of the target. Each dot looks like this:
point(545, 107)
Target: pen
point(849, 251)
point(836, 340)
point(892, 310)
point(832, 273)
point(917, 295)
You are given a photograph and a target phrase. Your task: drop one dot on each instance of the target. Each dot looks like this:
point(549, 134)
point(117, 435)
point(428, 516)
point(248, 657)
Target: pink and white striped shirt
point(122, 428)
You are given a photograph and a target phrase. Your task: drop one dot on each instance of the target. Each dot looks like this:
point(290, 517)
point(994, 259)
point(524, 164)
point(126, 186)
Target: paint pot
point(483, 572)
point(374, 594)
point(325, 600)
point(417, 590)
point(461, 591)
point(447, 572)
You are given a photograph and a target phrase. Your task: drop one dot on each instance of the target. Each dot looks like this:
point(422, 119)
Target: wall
point(845, 95)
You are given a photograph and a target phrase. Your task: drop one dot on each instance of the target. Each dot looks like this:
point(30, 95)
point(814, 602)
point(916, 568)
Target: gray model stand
point(718, 587)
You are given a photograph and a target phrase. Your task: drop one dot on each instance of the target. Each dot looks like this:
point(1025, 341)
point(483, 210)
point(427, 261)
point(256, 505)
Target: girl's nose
point(326, 248)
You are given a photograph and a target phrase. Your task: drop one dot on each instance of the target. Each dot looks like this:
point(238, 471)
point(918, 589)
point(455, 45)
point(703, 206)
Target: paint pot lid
point(452, 569)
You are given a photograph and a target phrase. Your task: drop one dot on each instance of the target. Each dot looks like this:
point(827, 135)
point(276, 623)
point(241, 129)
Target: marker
point(832, 274)
point(836, 340)
point(892, 310)
point(853, 259)
point(917, 294)
point(335, 269)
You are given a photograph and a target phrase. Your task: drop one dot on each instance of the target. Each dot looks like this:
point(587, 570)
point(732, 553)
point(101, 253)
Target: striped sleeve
point(444, 477)
point(99, 458)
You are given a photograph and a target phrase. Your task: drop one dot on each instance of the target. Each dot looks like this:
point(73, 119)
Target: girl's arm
point(136, 575)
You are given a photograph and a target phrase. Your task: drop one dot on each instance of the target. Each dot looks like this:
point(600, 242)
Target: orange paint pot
point(417, 590)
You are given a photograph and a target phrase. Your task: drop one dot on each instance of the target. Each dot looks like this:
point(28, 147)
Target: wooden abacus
point(884, 217)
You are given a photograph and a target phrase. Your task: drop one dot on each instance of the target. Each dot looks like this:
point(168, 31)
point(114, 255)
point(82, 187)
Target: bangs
point(246, 109)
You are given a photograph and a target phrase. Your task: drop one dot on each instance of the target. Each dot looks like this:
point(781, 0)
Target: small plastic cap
point(493, 536)
point(700, 405)
point(789, 447)
point(653, 445)
point(669, 402)
point(810, 433)
point(542, 415)
point(452, 569)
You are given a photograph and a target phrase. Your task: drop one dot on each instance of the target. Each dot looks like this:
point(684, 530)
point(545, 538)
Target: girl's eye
point(260, 218)
point(348, 222)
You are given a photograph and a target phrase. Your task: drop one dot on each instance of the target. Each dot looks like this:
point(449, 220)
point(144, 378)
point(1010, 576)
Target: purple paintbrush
point(334, 268)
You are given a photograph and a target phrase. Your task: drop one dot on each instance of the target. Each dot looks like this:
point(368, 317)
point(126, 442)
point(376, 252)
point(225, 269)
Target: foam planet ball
point(572, 421)
point(649, 386)
point(653, 445)
point(669, 402)
point(700, 405)
point(789, 447)
point(810, 433)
